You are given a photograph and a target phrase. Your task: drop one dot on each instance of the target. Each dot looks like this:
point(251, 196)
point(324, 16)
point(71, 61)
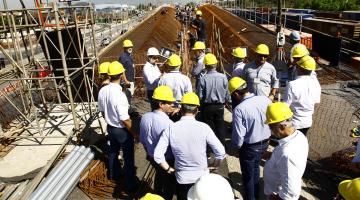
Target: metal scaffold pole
point(66, 72)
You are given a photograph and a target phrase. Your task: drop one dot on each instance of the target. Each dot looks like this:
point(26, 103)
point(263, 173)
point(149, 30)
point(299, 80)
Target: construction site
point(53, 138)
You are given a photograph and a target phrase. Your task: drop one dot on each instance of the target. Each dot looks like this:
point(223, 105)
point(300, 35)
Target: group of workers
point(177, 143)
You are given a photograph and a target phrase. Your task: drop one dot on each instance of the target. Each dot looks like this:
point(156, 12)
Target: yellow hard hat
point(239, 52)
point(236, 83)
point(127, 43)
point(278, 112)
point(198, 12)
point(174, 60)
point(199, 45)
point(164, 93)
point(307, 62)
point(190, 98)
point(150, 196)
point(115, 68)
point(350, 189)
point(299, 51)
point(262, 49)
point(210, 59)
point(104, 67)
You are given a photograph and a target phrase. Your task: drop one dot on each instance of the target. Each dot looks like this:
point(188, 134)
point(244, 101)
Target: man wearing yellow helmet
point(198, 69)
point(213, 93)
point(303, 93)
point(286, 166)
point(260, 75)
point(178, 82)
point(250, 135)
point(199, 25)
point(239, 55)
point(126, 59)
point(349, 190)
point(114, 106)
point(151, 127)
point(188, 139)
point(104, 78)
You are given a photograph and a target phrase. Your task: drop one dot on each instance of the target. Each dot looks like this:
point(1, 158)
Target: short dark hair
point(115, 77)
point(186, 108)
point(242, 91)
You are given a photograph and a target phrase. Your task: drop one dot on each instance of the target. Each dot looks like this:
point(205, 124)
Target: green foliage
point(326, 5)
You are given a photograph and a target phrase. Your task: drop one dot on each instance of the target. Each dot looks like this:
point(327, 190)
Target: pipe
point(53, 174)
point(57, 178)
point(66, 189)
point(67, 175)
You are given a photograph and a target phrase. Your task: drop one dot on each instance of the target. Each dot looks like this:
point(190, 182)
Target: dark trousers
point(213, 115)
point(164, 183)
point(150, 99)
point(250, 157)
point(304, 130)
point(121, 138)
point(182, 190)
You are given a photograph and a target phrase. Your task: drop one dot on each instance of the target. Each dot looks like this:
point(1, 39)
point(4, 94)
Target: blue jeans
point(250, 156)
point(121, 138)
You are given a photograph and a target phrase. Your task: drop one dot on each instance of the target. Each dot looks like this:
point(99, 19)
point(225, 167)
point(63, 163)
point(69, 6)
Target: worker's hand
point(271, 97)
point(170, 171)
point(174, 111)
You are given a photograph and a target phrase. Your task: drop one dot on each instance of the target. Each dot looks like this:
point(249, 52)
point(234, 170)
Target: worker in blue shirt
point(151, 127)
point(250, 134)
point(188, 139)
point(127, 61)
point(213, 93)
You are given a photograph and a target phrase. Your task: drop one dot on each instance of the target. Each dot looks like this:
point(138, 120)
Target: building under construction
point(53, 140)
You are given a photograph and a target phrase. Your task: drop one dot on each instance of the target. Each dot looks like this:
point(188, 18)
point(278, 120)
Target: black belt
point(209, 104)
point(256, 143)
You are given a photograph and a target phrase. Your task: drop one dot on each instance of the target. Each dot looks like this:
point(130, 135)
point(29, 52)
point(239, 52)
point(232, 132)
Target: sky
point(14, 4)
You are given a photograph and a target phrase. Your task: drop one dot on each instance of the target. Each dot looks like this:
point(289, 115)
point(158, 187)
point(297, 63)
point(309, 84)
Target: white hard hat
point(294, 35)
point(152, 51)
point(211, 187)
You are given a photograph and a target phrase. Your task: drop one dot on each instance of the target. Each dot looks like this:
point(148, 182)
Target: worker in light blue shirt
point(151, 127)
point(188, 139)
point(213, 93)
point(250, 134)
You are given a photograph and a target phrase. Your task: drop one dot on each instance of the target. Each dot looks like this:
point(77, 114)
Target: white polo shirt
point(301, 95)
point(151, 76)
point(286, 166)
point(113, 102)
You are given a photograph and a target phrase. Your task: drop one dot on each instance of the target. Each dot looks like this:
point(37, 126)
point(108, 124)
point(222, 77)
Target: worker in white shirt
point(151, 127)
point(260, 75)
point(151, 73)
point(238, 66)
point(303, 93)
point(198, 69)
point(104, 78)
point(188, 139)
point(297, 53)
point(178, 82)
point(114, 106)
point(286, 166)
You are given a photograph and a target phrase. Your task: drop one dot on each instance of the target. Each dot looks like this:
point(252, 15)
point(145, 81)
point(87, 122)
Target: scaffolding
point(33, 83)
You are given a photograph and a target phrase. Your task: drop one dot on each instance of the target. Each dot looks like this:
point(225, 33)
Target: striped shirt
point(249, 121)
point(188, 139)
point(152, 126)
